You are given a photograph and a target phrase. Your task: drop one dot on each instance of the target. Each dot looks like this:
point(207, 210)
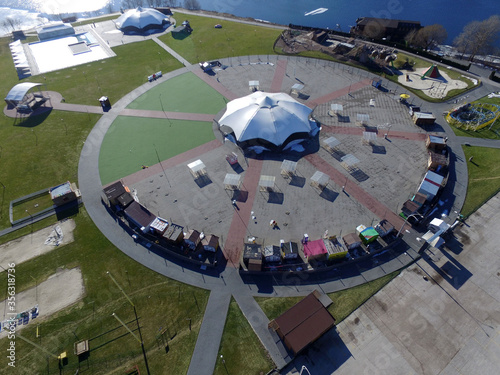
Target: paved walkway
point(242, 213)
point(279, 74)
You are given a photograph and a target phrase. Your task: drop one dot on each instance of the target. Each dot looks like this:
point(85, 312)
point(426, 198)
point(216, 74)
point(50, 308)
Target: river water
point(341, 14)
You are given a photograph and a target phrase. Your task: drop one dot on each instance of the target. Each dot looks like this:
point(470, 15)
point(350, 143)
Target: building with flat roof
point(303, 323)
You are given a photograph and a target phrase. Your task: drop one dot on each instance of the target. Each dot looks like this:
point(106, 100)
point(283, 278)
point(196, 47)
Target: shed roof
point(303, 323)
point(19, 91)
point(139, 214)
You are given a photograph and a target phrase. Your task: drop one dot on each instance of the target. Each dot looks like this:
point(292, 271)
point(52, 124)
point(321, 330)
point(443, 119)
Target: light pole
point(65, 125)
point(31, 216)
point(3, 196)
point(141, 341)
point(402, 226)
point(36, 137)
point(224, 363)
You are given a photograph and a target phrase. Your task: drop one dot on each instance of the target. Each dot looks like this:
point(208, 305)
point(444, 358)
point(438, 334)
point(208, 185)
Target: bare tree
point(430, 36)
point(192, 4)
point(11, 24)
point(478, 36)
point(412, 37)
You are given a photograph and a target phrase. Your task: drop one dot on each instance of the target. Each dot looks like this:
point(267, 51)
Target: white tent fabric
point(17, 93)
point(272, 117)
point(140, 18)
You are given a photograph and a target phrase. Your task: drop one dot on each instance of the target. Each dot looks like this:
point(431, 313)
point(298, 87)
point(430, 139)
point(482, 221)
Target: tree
point(11, 23)
point(478, 36)
point(192, 4)
point(430, 36)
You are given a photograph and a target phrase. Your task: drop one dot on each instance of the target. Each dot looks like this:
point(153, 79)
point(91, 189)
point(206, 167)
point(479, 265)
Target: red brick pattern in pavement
point(169, 115)
point(172, 162)
point(359, 131)
point(219, 87)
point(355, 191)
point(279, 74)
point(337, 94)
point(238, 229)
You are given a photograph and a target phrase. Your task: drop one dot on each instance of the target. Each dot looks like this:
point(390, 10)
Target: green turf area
point(344, 301)
point(240, 347)
point(484, 176)
point(208, 43)
point(114, 77)
point(184, 93)
point(130, 143)
point(94, 20)
point(162, 305)
point(32, 206)
point(489, 132)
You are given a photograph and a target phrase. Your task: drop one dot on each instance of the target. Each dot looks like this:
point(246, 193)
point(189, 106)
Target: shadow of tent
point(35, 118)
point(240, 196)
point(359, 175)
point(203, 181)
point(329, 194)
point(342, 118)
point(276, 197)
point(298, 181)
point(338, 155)
point(237, 168)
point(452, 271)
point(378, 149)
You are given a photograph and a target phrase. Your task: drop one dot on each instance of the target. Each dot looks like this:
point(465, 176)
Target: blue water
point(452, 14)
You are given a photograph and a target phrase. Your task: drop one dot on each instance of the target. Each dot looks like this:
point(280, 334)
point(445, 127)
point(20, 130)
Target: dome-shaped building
point(141, 19)
point(270, 120)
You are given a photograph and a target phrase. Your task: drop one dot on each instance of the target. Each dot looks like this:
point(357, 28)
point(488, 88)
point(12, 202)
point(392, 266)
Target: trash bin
point(105, 103)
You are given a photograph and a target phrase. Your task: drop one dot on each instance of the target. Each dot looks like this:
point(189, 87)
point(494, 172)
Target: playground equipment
point(474, 116)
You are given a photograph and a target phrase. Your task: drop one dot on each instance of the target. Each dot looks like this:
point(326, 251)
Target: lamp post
point(65, 125)
point(224, 363)
point(402, 226)
point(3, 196)
point(141, 341)
point(36, 137)
point(31, 216)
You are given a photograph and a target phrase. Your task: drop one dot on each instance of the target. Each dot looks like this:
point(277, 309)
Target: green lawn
point(32, 206)
point(240, 347)
point(162, 304)
point(114, 77)
point(484, 176)
point(344, 301)
point(184, 93)
point(208, 43)
point(130, 143)
point(488, 132)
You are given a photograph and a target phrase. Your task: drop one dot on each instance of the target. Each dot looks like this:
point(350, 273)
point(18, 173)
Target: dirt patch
point(59, 291)
point(33, 245)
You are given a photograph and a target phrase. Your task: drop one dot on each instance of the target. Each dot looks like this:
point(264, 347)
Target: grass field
point(132, 142)
point(113, 77)
point(344, 301)
point(162, 304)
point(32, 206)
point(208, 43)
point(184, 93)
point(241, 349)
point(488, 132)
point(484, 176)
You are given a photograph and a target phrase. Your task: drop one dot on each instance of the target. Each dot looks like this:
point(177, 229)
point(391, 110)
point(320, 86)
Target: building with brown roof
point(303, 323)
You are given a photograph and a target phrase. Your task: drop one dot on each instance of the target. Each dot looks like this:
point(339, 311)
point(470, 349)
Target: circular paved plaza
point(180, 106)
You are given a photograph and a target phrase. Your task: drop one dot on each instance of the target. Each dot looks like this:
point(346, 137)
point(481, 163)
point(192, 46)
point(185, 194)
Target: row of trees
point(477, 37)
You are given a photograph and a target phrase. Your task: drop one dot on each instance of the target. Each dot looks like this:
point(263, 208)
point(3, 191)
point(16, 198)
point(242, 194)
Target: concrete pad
point(33, 245)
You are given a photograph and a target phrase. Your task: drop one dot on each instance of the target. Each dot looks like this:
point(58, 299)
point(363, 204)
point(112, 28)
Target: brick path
point(238, 229)
point(279, 74)
point(337, 94)
point(355, 191)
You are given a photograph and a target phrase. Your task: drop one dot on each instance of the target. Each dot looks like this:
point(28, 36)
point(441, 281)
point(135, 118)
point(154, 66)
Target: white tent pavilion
point(267, 119)
point(141, 19)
